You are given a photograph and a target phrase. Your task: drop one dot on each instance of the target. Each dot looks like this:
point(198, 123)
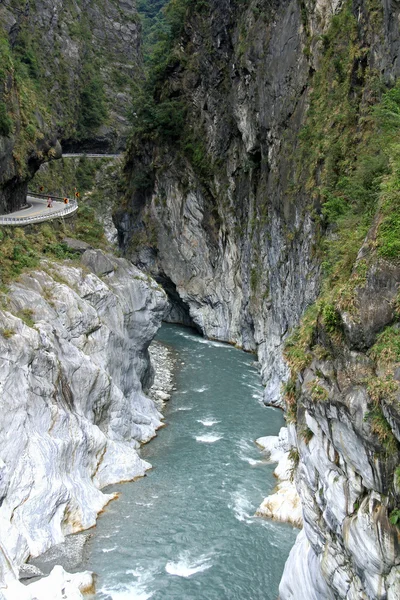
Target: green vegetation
point(396, 479)
point(386, 350)
point(7, 333)
point(26, 315)
point(330, 317)
point(348, 157)
point(153, 22)
point(298, 345)
point(93, 107)
point(6, 123)
point(348, 160)
point(98, 182)
point(382, 388)
point(61, 177)
point(291, 396)
point(151, 120)
point(160, 113)
point(32, 66)
point(87, 228)
point(20, 251)
point(20, 72)
point(23, 249)
point(381, 428)
point(317, 392)
point(294, 456)
point(394, 517)
point(369, 184)
point(307, 434)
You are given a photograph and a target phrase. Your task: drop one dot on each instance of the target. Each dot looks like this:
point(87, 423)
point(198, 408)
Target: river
point(187, 531)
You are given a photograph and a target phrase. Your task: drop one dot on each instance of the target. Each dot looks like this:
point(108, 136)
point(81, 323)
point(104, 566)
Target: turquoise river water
point(187, 531)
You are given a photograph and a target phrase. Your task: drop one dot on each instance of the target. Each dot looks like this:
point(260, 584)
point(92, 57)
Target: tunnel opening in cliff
point(179, 312)
point(95, 145)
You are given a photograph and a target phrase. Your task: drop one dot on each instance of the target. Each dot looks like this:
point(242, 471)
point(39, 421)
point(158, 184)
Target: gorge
point(260, 190)
point(188, 529)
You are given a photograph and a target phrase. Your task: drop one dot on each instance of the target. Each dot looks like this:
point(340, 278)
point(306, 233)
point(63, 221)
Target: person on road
point(49, 202)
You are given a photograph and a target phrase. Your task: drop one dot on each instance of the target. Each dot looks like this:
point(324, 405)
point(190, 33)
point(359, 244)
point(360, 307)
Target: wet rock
point(284, 503)
point(59, 585)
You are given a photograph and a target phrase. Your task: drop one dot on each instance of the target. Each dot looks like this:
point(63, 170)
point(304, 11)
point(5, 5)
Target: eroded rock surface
point(284, 503)
point(74, 360)
point(348, 446)
point(230, 222)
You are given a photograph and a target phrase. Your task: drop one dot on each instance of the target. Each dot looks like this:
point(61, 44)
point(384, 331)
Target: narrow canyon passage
point(187, 530)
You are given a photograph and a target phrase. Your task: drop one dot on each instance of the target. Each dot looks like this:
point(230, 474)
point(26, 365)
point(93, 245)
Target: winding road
point(38, 211)
point(37, 207)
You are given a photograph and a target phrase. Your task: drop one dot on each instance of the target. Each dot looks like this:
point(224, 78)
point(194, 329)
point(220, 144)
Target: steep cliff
point(263, 175)
point(67, 69)
point(74, 340)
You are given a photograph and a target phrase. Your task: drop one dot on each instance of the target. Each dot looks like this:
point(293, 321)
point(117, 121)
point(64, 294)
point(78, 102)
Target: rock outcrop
point(220, 225)
point(284, 503)
point(234, 214)
point(59, 585)
point(74, 362)
point(348, 447)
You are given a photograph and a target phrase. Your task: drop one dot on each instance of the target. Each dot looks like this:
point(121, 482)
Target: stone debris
point(164, 363)
point(76, 245)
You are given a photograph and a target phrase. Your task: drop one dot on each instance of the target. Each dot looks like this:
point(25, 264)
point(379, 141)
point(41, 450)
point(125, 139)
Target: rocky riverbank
point(164, 362)
point(74, 345)
point(284, 503)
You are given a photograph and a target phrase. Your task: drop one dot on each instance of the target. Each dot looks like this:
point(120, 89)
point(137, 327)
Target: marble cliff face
point(233, 204)
point(229, 220)
point(74, 364)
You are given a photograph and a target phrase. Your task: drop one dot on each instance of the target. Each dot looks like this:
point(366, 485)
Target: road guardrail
point(70, 208)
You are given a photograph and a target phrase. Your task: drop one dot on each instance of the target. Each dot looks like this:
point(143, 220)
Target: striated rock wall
point(220, 222)
point(222, 231)
point(347, 411)
point(230, 219)
point(74, 360)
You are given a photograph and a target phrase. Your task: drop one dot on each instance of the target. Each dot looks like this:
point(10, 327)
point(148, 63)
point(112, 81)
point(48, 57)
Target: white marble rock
point(74, 355)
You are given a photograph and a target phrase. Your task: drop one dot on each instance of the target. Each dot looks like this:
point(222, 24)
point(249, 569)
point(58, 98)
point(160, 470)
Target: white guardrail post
point(70, 208)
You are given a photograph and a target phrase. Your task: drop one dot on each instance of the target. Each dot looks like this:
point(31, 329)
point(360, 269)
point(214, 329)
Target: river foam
point(208, 438)
point(246, 447)
point(242, 508)
point(186, 567)
point(200, 538)
point(208, 422)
